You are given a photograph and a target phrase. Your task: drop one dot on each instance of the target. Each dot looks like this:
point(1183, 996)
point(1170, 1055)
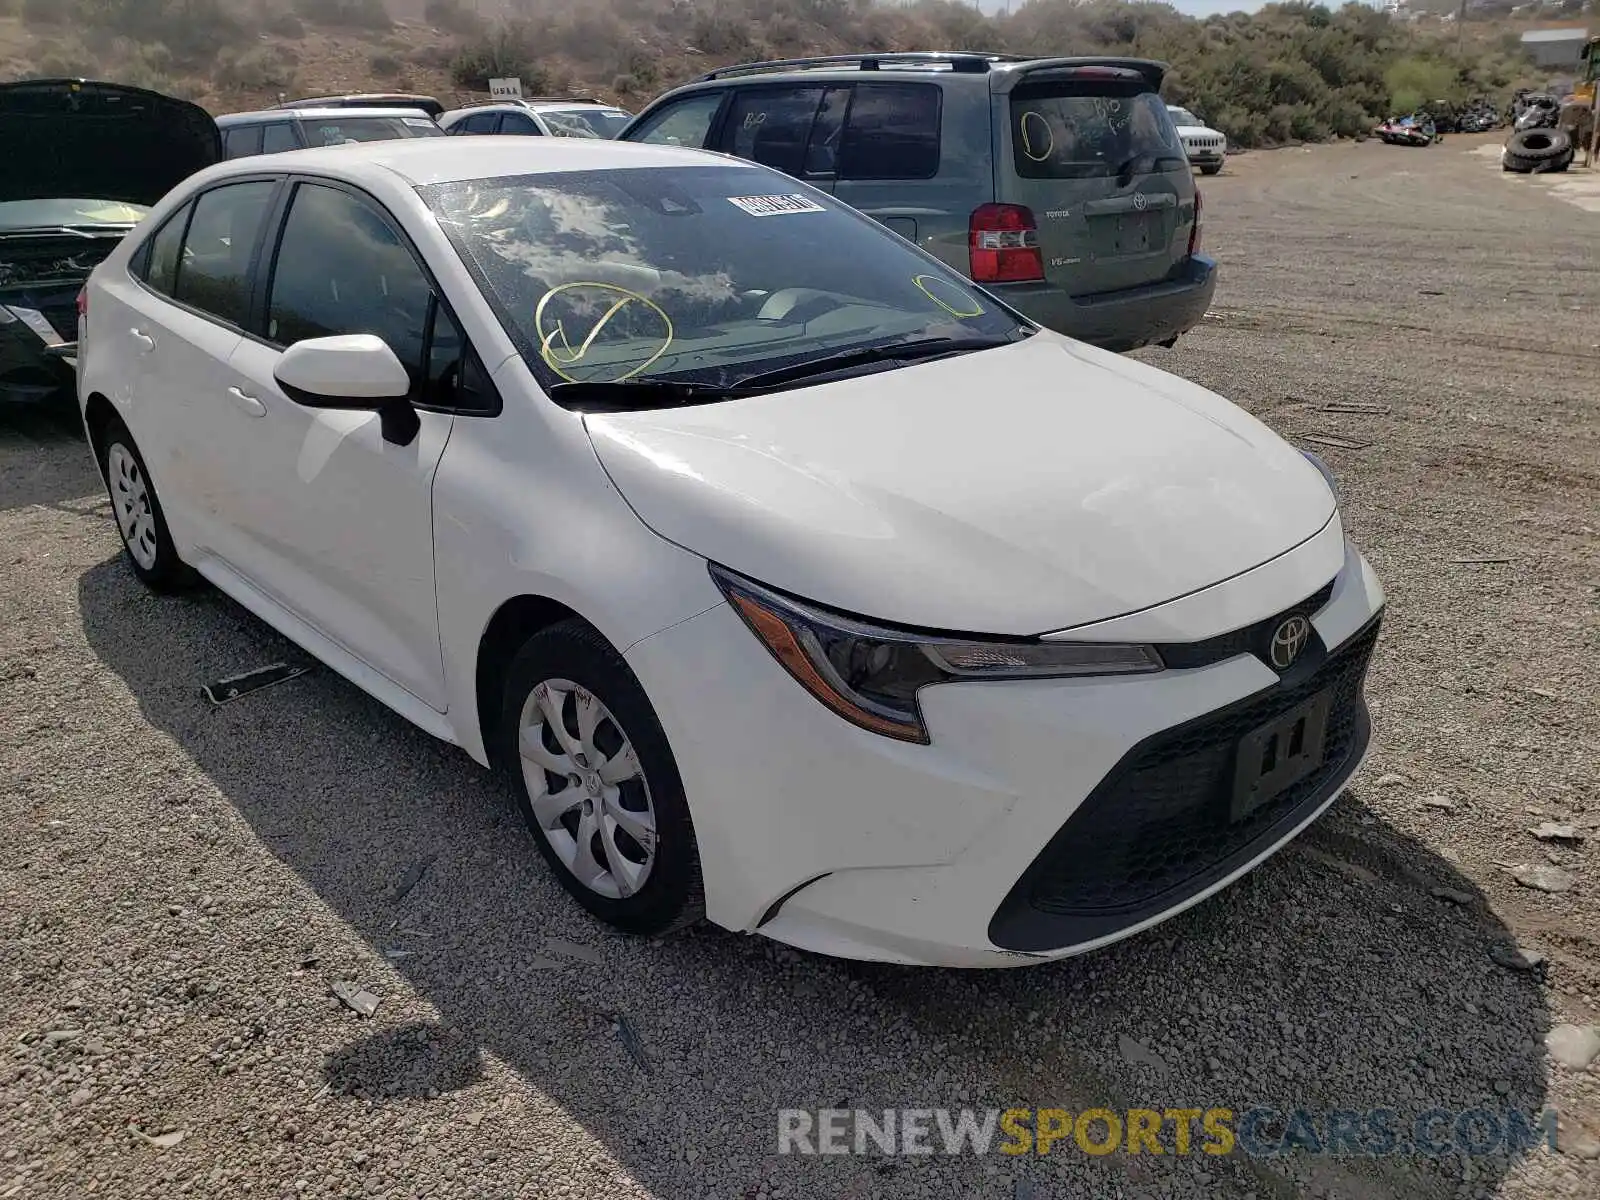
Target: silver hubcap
point(131, 500)
point(588, 791)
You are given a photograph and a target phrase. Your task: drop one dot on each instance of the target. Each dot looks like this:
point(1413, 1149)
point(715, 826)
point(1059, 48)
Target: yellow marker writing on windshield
point(927, 284)
point(547, 338)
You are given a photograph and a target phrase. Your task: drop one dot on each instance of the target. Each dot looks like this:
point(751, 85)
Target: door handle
point(249, 403)
point(146, 342)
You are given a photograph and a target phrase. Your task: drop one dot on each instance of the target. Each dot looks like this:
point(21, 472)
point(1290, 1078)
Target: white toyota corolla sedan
point(796, 581)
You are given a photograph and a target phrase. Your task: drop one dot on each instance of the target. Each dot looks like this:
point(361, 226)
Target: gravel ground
point(181, 885)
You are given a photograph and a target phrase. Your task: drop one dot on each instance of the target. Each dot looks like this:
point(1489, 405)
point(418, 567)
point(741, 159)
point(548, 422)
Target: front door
point(337, 522)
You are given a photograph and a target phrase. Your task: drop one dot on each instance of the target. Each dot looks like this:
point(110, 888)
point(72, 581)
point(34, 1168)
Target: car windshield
point(337, 130)
point(697, 274)
point(1081, 131)
point(1182, 116)
point(42, 214)
point(585, 122)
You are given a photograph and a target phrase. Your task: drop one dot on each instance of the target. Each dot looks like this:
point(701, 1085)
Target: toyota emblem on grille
point(1288, 640)
point(1140, 201)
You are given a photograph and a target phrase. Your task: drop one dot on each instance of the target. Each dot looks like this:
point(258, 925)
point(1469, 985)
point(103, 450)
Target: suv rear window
point(335, 131)
point(1085, 130)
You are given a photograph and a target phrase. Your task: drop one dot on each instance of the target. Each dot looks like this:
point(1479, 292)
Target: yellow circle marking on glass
point(1027, 142)
point(922, 282)
point(547, 338)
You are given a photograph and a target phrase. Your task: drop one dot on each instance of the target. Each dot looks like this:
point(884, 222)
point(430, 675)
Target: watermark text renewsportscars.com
point(1259, 1131)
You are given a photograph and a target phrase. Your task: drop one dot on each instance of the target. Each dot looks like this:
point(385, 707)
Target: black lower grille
point(1157, 829)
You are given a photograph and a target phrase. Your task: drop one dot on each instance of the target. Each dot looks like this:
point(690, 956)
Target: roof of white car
point(422, 161)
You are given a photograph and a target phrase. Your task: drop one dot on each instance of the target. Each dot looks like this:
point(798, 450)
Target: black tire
point(1537, 145)
point(156, 560)
point(672, 895)
point(1513, 162)
point(1211, 169)
point(1554, 166)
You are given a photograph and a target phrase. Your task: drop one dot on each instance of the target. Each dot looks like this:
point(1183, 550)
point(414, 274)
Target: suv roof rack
point(963, 61)
point(533, 100)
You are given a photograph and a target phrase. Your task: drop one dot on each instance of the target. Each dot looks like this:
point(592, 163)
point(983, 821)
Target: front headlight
point(1327, 473)
point(870, 674)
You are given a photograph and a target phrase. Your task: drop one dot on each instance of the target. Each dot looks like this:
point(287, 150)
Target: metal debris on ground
point(1355, 406)
point(1555, 831)
point(413, 876)
point(225, 691)
point(1544, 879)
point(1480, 562)
point(1453, 895)
point(356, 998)
point(1334, 440)
point(1516, 958)
point(629, 1038)
point(161, 1141)
point(568, 949)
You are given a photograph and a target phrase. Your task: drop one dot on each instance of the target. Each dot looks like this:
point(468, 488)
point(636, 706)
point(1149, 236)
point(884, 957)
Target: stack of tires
point(1530, 151)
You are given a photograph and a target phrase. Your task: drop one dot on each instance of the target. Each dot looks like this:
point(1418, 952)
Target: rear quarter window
point(892, 132)
point(1091, 130)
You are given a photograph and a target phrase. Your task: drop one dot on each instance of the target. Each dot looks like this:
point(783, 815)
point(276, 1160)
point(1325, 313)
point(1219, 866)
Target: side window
point(455, 378)
point(520, 123)
point(241, 141)
point(213, 274)
point(342, 268)
point(275, 139)
point(159, 268)
point(822, 154)
point(772, 125)
point(481, 123)
point(892, 133)
point(686, 122)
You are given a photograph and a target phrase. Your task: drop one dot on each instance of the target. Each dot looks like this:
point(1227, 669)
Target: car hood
point(100, 141)
point(1020, 490)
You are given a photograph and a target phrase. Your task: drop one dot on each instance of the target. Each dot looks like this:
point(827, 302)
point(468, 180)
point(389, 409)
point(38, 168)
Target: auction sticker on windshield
point(775, 206)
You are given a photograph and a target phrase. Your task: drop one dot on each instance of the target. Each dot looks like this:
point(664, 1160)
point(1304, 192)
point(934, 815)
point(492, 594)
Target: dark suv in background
point(1060, 184)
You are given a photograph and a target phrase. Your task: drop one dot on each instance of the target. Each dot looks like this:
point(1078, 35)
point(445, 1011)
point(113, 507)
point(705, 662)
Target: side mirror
point(351, 371)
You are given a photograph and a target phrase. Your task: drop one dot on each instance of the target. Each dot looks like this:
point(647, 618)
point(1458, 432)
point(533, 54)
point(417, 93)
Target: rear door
point(773, 125)
point(1093, 153)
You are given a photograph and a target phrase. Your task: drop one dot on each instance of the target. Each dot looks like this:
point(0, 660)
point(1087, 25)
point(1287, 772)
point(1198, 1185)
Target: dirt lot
point(181, 885)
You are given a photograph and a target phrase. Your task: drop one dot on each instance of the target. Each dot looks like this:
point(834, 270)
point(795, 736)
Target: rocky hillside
point(1289, 72)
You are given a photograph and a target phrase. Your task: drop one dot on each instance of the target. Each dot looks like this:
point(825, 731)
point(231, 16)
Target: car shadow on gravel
point(1331, 978)
point(44, 458)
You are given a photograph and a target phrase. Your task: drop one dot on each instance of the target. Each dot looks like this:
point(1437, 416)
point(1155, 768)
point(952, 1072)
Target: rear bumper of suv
point(1122, 320)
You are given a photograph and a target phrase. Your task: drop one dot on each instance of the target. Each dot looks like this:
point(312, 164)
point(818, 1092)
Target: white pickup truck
point(1205, 147)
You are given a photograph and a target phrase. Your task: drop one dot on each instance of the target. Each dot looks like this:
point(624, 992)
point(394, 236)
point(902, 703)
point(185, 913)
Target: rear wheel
point(597, 784)
point(140, 521)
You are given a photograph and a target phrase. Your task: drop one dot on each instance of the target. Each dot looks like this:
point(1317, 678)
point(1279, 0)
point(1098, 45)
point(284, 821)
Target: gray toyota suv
point(1059, 184)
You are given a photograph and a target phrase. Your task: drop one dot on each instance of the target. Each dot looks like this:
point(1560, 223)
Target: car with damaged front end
point(85, 161)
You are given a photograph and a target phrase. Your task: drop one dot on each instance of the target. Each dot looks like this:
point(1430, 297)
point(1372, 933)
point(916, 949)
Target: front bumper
point(966, 852)
point(1124, 320)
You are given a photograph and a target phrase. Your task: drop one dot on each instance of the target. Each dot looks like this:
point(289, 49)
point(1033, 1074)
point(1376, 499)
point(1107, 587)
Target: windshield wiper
point(629, 394)
point(867, 355)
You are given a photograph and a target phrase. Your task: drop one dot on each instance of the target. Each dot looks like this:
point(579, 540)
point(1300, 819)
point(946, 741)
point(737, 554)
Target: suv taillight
point(1003, 244)
point(1194, 233)
point(83, 301)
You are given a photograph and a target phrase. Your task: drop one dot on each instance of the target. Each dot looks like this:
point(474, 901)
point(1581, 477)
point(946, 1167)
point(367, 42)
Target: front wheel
point(1211, 169)
point(140, 520)
point(597, 784)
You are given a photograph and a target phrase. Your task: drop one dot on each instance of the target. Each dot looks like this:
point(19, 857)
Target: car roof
point(422, 161)
point(349, 113)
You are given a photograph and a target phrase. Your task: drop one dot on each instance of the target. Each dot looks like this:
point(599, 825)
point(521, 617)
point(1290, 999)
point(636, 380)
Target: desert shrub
point(505, 51)
point(433, 58)
point(345, 14)
point(452, 16)
point(284, 25)
point(68, 60)
point(1414, 81)
point(261, 69)
point(385, 66)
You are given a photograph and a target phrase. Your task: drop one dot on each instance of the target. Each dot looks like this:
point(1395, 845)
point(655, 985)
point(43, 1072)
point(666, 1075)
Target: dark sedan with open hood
point(84, 163)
